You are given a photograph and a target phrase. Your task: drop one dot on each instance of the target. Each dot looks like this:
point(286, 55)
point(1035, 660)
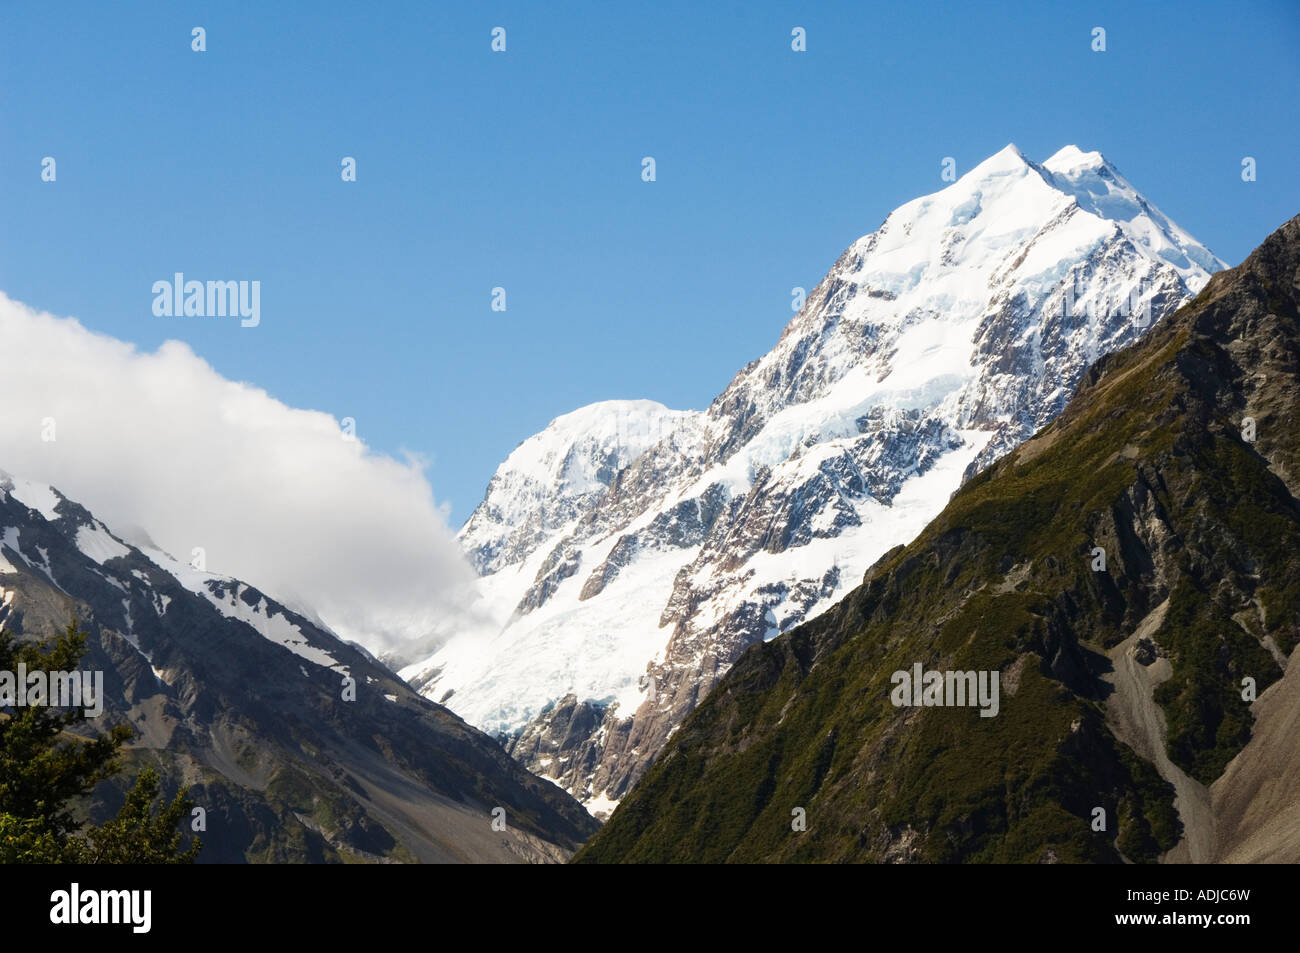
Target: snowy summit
point(629, 553)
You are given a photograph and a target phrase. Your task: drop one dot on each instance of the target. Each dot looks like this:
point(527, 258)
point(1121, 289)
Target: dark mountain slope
point(243, 699)
point(1200, 525)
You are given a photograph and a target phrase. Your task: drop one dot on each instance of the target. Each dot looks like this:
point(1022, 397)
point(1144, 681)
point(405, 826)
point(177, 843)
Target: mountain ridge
point(931, 347)
point(1176, 458)
point(245, 701)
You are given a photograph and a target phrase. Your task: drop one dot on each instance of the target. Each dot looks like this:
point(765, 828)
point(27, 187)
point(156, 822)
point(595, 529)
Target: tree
point(136, 836)
point(44, 769)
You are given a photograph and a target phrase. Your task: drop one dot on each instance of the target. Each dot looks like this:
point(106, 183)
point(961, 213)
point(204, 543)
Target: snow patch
point(34, 496)
point(98, 544)
point(274, 627)
point(601, 804)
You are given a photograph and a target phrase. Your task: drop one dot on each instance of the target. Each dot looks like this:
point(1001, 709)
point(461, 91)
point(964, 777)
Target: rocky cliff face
point(246, 701)
point(932, 347)
point(1128, 574)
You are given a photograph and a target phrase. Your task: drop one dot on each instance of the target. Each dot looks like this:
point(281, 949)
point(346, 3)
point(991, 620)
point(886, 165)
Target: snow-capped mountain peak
point(932, 346)
point(1099, 188)
point(1069, 158)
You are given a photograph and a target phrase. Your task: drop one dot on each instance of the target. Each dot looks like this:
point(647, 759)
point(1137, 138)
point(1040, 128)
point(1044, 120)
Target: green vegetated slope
point(1150, 462)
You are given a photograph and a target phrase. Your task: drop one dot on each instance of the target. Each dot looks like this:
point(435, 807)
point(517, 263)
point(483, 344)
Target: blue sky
point(523, 170)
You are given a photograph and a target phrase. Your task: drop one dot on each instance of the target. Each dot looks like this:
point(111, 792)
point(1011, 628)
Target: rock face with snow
point(554, 477)
point(932, 347)
point(246, 702)
point(1198, 516)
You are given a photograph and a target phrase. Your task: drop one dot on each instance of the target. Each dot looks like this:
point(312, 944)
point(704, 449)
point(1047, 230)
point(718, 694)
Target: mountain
point(245, 701)
point(1126, 686)
point(553, 478)
point(932, 347)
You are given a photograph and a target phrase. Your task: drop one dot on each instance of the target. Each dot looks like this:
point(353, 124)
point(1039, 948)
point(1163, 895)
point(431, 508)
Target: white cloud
point(161, 442)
